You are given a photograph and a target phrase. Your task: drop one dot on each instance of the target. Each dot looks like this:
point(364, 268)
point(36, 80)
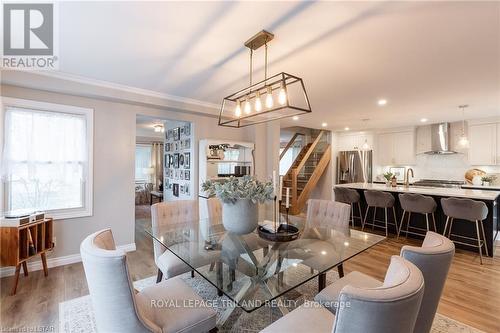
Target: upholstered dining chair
point(433, 259)
point(118, 308)
point(328, 213)
point(390, 307)
point(171, 212)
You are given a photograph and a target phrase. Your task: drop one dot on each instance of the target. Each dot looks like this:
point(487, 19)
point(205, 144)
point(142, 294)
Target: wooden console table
point(15, 244)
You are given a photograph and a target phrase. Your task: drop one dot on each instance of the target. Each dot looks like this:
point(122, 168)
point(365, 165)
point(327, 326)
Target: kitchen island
point(490, 198)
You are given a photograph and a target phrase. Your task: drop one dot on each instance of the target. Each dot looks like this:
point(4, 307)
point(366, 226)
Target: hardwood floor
point(471, 295)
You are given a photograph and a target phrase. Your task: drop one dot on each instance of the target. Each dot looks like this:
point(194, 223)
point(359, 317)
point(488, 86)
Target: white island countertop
point(438, 191)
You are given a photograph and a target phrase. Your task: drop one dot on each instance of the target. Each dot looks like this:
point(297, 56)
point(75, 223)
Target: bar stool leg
point(374, 217)
point(395, 218)
point(402, 221)
point(484, 238)
point(446, 225)
point(408, 224)
point(434, 222)
point(352, 215)
point(451, 226)
point(386, 226)
point(479, 243)
point(360, 213)
point(366, 217)
point(427, 221)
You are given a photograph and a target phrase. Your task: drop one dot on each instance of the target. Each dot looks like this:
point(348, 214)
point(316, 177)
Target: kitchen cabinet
point(424, 143)
point(483, 144)
point(396, 148)
point(353, 141)
point(498, 144)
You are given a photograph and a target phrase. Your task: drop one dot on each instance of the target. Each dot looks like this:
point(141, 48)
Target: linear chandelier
point(278, 96)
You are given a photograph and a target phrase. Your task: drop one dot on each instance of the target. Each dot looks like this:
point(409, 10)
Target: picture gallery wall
point(178, 166)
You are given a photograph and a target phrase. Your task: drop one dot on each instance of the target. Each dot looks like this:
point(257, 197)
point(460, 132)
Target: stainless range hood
point(440, 140)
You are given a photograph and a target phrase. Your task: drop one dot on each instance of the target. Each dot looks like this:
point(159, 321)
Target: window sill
point(66, 214)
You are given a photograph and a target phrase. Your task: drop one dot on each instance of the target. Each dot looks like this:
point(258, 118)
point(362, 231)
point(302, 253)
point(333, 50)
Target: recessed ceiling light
point(324, 124)
point(382, 102)
point(295, 118)
point(423, 120)
point(346, 128)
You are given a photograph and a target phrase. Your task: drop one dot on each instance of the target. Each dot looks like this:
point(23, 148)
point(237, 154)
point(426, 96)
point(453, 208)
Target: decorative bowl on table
point(284, 233)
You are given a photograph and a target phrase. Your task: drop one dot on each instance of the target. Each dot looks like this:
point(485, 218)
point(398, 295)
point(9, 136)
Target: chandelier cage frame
point(295, 94)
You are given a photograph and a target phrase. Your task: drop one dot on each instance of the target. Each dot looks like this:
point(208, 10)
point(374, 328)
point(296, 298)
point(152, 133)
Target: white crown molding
point(175, 102)
point(59, 261)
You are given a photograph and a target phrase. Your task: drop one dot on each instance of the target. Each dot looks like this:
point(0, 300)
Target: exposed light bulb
point(282, 94)
point(365, 145)
point(237, 110)
point(463, 141)
point(247, 107)
point(295, 118)
point(258, 102)
point(269, 98)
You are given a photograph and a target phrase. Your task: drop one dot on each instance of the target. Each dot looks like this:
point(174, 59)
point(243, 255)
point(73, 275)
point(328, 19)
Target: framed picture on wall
point(181, 160)
point(181, 175)
point(186, 189)
point(187, 144)
point(182, 189)
point(187, 175)
point(175, 189)
point(167, 183)
point(399, 172)
point(187, 160)
point(176, 161)
point(177, 133)
point(187, 129)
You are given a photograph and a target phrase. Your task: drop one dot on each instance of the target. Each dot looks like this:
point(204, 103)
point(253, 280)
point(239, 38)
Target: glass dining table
point(252, 271)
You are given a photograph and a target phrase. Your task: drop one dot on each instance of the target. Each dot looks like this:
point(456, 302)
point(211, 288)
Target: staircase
point(305, 171)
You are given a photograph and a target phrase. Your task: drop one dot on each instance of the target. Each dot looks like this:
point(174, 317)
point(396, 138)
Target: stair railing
point(290, 144)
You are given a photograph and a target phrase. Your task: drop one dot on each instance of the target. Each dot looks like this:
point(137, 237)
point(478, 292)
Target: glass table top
point(252, 271)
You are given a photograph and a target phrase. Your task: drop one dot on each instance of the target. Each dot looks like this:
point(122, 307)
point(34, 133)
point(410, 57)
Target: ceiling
point(425, 58)
point(144, 127)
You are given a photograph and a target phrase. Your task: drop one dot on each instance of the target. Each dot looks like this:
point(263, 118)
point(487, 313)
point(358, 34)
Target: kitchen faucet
point(407, 178)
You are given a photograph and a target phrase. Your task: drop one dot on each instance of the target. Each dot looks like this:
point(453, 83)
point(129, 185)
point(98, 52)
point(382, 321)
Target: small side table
point(156, 194)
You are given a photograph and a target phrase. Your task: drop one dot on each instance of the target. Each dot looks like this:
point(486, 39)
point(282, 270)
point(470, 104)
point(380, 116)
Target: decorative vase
point(241, 217)
point(486, 183)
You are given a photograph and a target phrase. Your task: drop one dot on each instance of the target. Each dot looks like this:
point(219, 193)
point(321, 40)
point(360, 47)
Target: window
point(143, 163)
point(47, 158)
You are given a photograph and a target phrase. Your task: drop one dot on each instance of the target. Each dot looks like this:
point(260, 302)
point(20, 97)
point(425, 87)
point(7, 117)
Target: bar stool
point(469, 210)
point(378, 199)
point(419, 204)
point(350, 197)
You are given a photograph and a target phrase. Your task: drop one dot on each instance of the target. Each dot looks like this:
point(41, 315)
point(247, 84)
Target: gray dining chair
point(163, 213)
point(433, 259)
point(118, 308)
point(390, 307)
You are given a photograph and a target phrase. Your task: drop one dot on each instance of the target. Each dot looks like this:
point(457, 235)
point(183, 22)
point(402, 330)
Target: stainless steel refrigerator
point(354, 166)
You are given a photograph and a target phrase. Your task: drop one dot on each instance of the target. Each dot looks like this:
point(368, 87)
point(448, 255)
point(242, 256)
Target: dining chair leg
point(212, 265)
point(192, 273)
point(340, 270)
point(434, 222)
point(220, 281)
point(484, 238)
point(159, 276)
point(446, 225)
point(386, 225)
point(402, 221)
point(312, 270)
point(479, 243)
point(374, 217)
point(408, 224)
point(321, 281)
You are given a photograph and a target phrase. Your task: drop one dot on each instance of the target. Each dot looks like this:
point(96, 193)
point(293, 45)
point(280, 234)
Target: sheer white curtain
point(45, 159)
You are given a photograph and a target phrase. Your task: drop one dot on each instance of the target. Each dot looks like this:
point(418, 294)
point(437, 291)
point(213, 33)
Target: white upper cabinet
point(483, 144)
point(396, 148)
point(353, 141)
point(424, 143)
point(498, 144)
point(404, 148)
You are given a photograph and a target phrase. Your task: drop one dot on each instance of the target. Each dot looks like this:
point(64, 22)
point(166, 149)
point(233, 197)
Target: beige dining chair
point(390, 307)
point(163, 213)
point(118, 308)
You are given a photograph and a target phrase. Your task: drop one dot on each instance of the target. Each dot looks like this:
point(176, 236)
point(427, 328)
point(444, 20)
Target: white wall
point(114, 162)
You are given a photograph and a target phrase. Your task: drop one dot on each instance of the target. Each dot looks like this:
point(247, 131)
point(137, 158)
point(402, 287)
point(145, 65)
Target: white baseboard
point(59, 261)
